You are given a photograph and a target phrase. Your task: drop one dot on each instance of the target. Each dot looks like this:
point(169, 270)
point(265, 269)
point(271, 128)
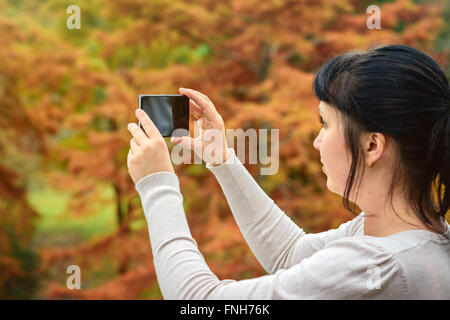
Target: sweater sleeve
point(275, 240)
point(339, 270)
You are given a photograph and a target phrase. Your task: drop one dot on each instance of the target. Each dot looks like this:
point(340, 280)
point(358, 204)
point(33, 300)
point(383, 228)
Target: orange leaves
point(9, 268)
point(129, 253)
point(127, 286)
point(10, 32)
point(73, 96)
point(424, 32)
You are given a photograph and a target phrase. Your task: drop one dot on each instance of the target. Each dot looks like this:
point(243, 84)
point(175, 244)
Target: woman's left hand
point(148, 152)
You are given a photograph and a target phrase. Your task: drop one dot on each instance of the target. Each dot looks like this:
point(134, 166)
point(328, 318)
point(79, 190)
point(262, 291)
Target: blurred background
point(66, 96)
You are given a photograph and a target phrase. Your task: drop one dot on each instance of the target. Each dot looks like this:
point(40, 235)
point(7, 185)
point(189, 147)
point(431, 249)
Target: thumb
point(184, 142)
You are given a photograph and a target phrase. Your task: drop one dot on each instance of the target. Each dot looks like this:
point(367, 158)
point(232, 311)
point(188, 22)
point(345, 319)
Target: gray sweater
point(341, 263)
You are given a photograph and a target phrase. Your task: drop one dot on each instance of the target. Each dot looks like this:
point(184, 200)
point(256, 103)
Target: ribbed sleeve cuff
point(232, 159)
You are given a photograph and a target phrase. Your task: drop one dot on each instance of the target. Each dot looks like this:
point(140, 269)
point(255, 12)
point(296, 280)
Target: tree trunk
point(120, 214)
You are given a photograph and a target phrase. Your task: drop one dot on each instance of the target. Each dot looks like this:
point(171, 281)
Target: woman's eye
point(324, 124)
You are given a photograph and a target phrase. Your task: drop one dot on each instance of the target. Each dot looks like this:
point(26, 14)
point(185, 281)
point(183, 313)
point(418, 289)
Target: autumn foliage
point(66, 97)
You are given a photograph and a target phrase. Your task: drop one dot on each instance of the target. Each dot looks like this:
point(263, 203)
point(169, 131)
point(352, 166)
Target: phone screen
point(168, 112)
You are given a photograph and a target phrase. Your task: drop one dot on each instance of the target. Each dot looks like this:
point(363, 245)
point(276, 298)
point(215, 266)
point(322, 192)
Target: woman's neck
point(386, 225)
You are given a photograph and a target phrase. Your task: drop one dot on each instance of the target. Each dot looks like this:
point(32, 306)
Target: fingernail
point(129, 126)
point(138, 111)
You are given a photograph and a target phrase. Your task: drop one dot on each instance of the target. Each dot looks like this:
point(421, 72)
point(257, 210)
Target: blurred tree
point(20, 143)
point(70, 93)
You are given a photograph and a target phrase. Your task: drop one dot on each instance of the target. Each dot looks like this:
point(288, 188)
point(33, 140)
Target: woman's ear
point(373, 145)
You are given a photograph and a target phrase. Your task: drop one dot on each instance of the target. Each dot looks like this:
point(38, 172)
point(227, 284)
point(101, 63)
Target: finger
point(129, 155)
point(205, 104)
point(149, 127)
point(133, 146)
point(185, 142)
point(202, 94)
point(137, 134)
point(195, 110)
point(198, 126)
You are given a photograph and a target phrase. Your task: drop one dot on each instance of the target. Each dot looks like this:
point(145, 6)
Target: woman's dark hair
point(403, 93)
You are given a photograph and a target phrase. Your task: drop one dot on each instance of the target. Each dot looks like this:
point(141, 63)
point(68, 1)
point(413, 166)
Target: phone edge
point(170, 95)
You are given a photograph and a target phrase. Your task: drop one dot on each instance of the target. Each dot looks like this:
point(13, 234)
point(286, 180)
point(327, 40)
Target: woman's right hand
point(209, 123)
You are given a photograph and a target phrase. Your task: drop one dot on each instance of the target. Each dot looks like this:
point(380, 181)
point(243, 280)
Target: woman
point(387, 108)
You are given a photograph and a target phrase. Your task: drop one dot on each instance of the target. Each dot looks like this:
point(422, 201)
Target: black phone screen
point(168, 112)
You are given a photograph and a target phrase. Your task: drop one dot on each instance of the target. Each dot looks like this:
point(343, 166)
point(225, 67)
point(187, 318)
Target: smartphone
point(167, 111)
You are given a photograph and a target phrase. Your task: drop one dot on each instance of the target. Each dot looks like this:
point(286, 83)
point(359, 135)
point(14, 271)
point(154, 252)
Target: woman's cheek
point(325, 154)
point(332, 168)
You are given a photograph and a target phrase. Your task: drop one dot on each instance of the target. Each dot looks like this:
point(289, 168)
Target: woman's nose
point(316, 143)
